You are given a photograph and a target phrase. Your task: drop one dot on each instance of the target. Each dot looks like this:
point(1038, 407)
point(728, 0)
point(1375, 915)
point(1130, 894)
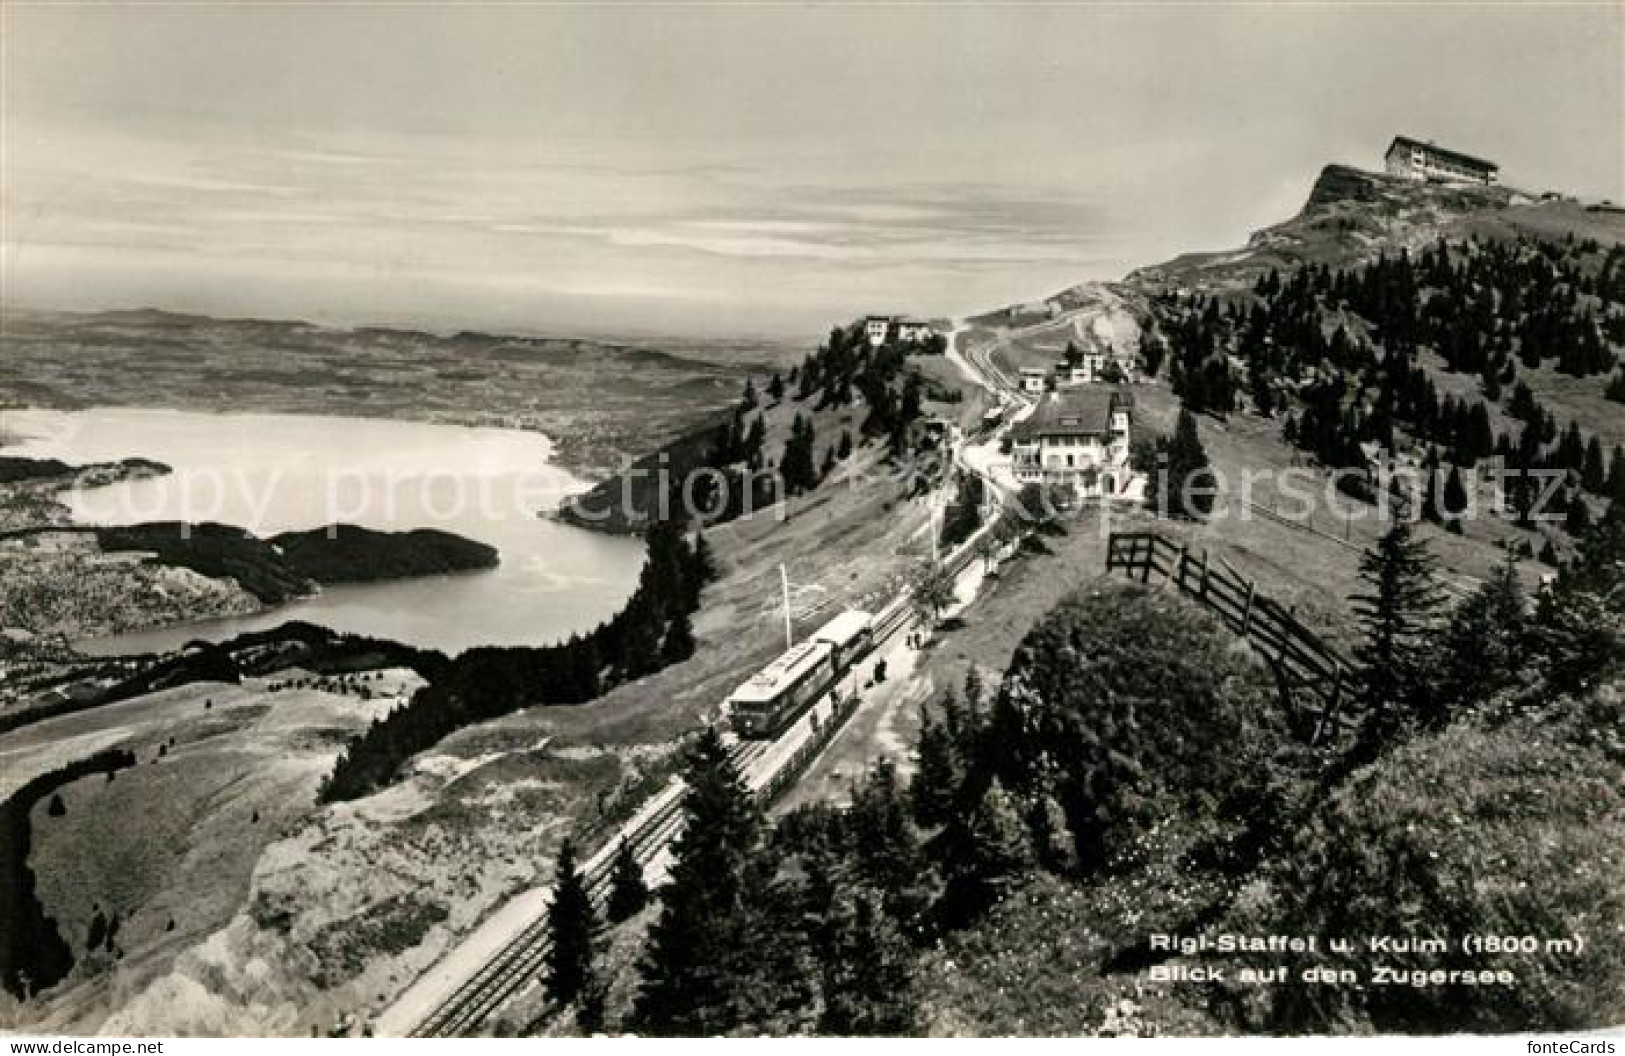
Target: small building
point(1034, 380)
point(1080, 368)
point(877, 328)
point(1078, 439)
point(1415, 160)
point(913, 330)
point(935, 430)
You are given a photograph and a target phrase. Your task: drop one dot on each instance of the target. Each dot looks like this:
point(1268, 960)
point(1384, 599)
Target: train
point(771, 699)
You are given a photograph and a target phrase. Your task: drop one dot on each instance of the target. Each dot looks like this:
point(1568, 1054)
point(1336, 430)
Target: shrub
point(1130, 707)
point(1508, 831)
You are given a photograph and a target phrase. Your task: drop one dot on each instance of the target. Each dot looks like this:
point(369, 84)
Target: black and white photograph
point(530, 520)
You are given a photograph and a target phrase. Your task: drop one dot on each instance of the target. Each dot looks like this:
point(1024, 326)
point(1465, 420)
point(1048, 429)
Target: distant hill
point(1352, 216)
point(285, 566)
point(600, 401)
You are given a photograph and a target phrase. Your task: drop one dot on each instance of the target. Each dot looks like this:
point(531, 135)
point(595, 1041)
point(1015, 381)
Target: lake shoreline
point(556, 579)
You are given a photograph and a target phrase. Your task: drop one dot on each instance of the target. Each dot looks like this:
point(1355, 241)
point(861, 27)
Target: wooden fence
point(1312, 675)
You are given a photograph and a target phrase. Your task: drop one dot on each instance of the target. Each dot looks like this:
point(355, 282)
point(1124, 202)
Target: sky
point(729, 170)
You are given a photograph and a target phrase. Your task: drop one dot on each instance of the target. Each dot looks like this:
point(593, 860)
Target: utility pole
point(784, 584)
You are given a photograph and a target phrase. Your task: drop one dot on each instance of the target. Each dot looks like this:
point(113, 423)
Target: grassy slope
point(174, 837)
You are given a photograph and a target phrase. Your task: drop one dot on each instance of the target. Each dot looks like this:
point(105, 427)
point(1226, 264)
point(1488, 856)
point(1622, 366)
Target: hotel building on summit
point(1415, 160)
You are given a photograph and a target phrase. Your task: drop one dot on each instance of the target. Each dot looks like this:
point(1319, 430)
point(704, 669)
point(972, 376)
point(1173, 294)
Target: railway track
point(521, 958)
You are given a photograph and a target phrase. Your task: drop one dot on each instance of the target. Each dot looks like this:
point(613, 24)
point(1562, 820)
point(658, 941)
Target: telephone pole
point(784, 584)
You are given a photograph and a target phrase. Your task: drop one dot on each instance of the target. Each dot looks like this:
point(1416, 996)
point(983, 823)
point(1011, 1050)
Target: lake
point(277, 472)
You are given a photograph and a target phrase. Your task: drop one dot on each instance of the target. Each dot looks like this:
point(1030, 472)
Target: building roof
point(1443, 152)
point(1076, 412)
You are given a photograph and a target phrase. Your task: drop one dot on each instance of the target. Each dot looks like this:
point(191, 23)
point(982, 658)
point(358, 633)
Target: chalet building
point(876, 328)
point(1034, 380)
point(909, 330)
point(913, 329)
point(1415, 160)
point(1078, 438)
point(1081, 368)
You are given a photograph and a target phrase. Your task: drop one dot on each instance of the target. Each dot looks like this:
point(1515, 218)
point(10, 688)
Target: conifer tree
point(1579, 627)
point(678, 644)
point(868, 978)
point(571, 925)
point(628, 893)
point(1593, 471)
point(698, 971)
point(936, 781)
point(1482, 649)
point(1455, 494)
point(1395, 613)
point(989, 853)
point(1578, 519)
point(1186, 475)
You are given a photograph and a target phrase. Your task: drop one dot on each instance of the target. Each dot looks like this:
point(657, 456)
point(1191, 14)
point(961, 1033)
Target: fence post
point(1328, 716)
point(1204, 573)
point(1179, 567)
point(1247, 612)
point(1150, 554)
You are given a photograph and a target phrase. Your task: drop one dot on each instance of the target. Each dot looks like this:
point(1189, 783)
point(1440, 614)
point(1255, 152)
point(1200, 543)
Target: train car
point(849, 634)
point(766, 702)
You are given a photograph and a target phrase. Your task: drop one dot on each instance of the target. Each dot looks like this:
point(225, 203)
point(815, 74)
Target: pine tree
point(1579, 626)
point(989, 854)
point(628, 893)
point(936, 781)
point(1594, 472)
point(1188, 469)
point(1455, 494)
point(1396, 617)
point(1482, 649)
point(755, 439)
point(1430, 498)
point(678, 644)
point(1578, 520)
point(1571, 448)
point(1052, 841)
point(775, 387)
point(570, 930)
point(698, 970)
point(868, 969)
point(797, 466)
